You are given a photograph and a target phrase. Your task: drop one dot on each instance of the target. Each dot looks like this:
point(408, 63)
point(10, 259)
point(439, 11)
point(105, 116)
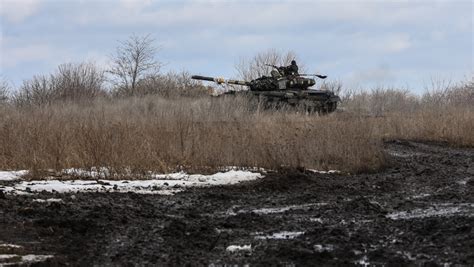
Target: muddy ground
point(419, 210)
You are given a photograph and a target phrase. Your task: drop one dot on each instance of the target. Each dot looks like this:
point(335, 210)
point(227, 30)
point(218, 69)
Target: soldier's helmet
point(293, 62)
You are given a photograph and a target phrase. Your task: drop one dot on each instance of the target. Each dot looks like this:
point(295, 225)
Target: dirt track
point(418, 210)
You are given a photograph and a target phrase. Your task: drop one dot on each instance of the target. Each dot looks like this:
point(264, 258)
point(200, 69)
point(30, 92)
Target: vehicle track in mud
point(418, 210)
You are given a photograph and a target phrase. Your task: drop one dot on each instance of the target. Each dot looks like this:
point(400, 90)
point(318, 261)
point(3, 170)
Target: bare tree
point(249, 69)
point(134, 59)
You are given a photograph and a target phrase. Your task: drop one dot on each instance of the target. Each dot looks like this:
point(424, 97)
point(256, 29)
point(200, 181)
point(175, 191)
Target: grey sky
point(362, 43)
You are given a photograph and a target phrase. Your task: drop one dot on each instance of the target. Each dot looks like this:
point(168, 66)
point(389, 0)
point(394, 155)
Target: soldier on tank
point(289, 70)
point(292, 69)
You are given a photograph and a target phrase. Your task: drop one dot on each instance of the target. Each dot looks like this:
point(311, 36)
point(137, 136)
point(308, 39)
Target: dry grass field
point(136, 135)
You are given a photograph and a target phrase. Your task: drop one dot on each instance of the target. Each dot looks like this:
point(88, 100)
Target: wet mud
point(418, 210)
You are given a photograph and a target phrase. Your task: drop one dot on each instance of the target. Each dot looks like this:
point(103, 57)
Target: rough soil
point(419, 210)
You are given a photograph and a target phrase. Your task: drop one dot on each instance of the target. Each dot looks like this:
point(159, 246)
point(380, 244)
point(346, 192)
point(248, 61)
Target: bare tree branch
point(4, 90)
point(134, 59)
point(249, 69)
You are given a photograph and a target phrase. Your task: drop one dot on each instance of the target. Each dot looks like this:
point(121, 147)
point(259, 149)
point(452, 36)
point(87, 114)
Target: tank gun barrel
point(220, 80)
point(270, 65)
point(315, 75)
point(202, 78)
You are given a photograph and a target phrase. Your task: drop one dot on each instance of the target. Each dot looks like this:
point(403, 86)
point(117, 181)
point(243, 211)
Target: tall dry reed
point(137, 135)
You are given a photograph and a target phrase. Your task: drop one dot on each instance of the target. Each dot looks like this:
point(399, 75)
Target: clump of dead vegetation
point(444, 113)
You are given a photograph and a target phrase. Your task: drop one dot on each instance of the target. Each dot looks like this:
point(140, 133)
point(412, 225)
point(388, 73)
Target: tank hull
point(317, 101)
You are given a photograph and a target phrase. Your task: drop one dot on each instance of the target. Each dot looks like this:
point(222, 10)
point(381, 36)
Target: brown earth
point(419, 210)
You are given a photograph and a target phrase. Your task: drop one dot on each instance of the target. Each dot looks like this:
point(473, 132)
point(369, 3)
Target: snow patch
point(422, 195)
point(164, 184)
point(287, 208)
point(324, 172)
point(364, 261)
point(11, 175)
point(15, 259)
point(280, 235)
point(12, 246)
point(322, 248)
point(236, 248)
point(49, 200)
point(438, 210)
point(318, 220)
point(7, 256)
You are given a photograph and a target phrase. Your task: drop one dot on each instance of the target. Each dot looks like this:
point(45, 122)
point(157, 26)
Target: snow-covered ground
point(160, 184)
point(325, 172)
point(11, 175)
point(237, 248)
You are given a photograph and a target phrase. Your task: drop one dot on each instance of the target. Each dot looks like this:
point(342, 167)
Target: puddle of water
point(280, 235)
point(438, 210)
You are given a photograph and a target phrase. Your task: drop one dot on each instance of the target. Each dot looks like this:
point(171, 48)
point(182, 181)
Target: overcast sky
point(400, 43)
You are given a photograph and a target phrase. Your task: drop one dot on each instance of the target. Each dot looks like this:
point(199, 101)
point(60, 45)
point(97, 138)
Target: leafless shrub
point(170, 85)
point(379, 101)
point(444, 113)
point(39, 90)
point(4, 91)
point(333, 86)
point(134, 59)
point(72, 82)
point(443, 93)
point(79, 81)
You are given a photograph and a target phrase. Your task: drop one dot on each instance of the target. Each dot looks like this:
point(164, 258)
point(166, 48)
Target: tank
point(278, 90)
